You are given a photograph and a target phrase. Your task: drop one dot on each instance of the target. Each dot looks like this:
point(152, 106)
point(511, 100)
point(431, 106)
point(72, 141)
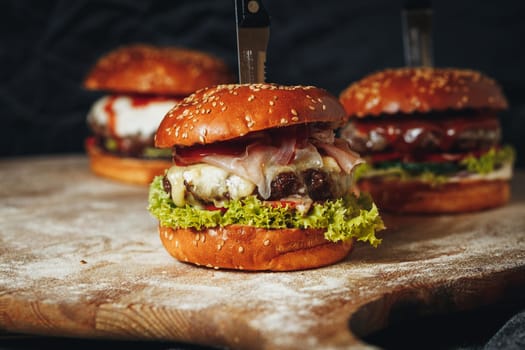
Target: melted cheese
point(193, 183)
point(207, 182)
point(503, 173)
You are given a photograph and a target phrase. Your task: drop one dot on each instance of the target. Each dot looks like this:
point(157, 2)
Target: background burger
point(143, 82)
point(260, 182)
point(432, 139)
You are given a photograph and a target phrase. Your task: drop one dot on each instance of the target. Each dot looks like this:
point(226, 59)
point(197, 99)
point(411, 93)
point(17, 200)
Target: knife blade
point(417, 33)
point(253, 34)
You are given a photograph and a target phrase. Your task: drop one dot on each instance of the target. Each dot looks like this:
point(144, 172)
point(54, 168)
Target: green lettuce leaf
point(152, 152)
point(438, 173)
point(344, 219)
point(489, 161)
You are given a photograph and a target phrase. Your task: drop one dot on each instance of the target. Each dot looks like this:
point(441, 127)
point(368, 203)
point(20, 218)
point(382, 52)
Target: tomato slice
point(282, 204)
point(90, 141)
point(211, 207)
point(429, 157)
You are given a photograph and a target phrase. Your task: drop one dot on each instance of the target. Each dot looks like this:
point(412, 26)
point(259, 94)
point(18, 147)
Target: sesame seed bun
point(424, 198)
point(149, 69)
point(225, 112)
point(255, 249)
point(124, 169)
point(410, 90)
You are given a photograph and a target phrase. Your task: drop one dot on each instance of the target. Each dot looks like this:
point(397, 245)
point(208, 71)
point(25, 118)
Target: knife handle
point(251, 14)
point(417, 33)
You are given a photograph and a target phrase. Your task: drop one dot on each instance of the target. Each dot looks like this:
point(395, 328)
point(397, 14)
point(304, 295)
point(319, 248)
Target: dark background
point(47, 47)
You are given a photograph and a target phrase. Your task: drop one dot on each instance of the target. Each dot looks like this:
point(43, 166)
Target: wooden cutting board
point(80, 256)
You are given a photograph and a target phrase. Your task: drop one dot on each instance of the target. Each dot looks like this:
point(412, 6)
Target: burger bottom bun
point(250, 248)
point(125, 169)
point(452, 197)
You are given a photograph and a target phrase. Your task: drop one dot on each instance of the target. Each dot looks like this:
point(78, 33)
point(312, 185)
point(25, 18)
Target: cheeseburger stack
point(432, 139)
point(143, 83)
point(259, 182)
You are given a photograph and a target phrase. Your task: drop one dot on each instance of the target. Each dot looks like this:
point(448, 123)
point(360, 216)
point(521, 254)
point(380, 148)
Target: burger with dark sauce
point(431, 138)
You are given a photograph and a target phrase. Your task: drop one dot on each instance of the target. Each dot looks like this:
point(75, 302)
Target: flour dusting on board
point(79, 242)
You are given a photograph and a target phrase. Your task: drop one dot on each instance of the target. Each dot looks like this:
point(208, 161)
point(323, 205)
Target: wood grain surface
point(80, 256)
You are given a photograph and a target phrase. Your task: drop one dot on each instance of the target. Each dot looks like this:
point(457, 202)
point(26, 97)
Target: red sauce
point(144, 100)
point(112, 116)
point(404, 133)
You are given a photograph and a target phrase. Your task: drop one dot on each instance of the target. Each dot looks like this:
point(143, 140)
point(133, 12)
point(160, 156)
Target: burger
point(431, 138)
point(142, 83)
point(259, 181)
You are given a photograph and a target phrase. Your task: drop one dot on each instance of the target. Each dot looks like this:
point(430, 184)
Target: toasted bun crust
point(156, 70)
point(248, 248)
point(453, 197)
point(409, 90)
point(229, 111)
point(130, 170)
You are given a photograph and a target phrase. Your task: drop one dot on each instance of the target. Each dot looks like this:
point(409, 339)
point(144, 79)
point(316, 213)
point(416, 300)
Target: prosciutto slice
point(262, 160)
point(341, 152)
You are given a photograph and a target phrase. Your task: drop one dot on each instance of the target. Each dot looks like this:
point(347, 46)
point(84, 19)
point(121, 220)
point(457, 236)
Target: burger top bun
point(425, 89)
point(229, 111)
point(149, 69)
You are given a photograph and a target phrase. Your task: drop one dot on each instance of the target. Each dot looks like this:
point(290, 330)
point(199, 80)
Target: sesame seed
point(294, 112)
point(197, 237)
point(251, 98)
point(219, 246)
point(266, 242)
point(216, 267)
point(203, 238)
point(312, 108)
point(223, 108)
point(324, 107)
point(176, 244)
point(241, 249)
point(170, 237)
point(271, 103)
point(214, 104)
point(284, 121)
point(294, 119)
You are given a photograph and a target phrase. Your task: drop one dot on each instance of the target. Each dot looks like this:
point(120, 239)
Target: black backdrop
point(47, 47)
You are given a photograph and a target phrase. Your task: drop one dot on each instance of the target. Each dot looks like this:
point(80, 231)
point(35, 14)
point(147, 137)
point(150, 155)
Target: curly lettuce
point(437, 173)
point(488, 162)
point(347, 218)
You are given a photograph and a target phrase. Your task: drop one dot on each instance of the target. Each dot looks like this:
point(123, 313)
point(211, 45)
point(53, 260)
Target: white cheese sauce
point(129, 118)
